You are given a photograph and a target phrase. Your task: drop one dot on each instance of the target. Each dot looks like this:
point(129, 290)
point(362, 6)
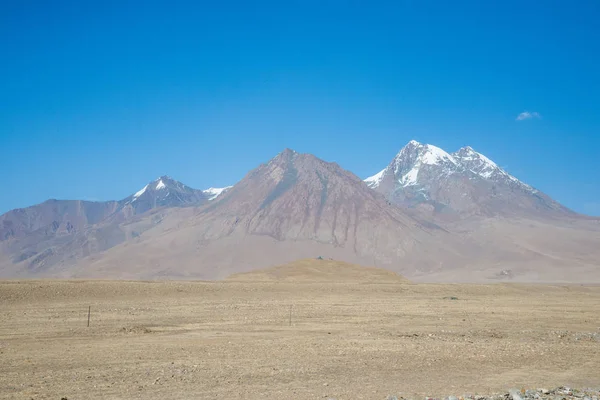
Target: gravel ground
point(244, 340)
point(561, 393)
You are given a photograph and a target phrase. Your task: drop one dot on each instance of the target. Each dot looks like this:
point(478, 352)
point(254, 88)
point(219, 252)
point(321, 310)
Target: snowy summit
point(409, 162)
point(416, 159)
point(213, 193)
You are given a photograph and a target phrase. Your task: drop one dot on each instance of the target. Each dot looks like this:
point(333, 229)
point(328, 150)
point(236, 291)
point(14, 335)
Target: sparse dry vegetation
point(181, 340)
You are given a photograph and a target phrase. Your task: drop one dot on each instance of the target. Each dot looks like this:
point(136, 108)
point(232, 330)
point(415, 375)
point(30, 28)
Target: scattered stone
point(515, 394)
point(560, 393)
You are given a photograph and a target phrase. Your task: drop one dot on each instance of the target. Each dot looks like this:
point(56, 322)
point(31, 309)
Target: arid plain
point(316, 329)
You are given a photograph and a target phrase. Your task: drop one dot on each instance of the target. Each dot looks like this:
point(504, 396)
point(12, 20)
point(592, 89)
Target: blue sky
point(98, 98)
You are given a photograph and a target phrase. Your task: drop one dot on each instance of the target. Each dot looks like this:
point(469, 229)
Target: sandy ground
point(226, 340)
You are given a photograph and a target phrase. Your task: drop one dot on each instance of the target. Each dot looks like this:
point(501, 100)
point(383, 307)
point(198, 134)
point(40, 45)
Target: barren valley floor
point(221, 340)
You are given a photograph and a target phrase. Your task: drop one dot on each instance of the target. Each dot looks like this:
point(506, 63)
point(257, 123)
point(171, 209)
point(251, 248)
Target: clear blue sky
point(98, 98)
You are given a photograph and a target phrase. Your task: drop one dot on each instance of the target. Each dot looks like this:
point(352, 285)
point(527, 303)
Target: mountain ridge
point(49, 232)
point(298, 206)
point(294, 206)
point(116, 205)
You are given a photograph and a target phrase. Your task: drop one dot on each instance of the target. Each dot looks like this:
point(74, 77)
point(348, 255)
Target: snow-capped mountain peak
point(160, 185)
point(463, 181)
point(433, 155)
point(157, 184)
point(165, 191)
point(409, 161)
point(413, 157)
point(406, 167)
point(213, 193)
point(427, 153)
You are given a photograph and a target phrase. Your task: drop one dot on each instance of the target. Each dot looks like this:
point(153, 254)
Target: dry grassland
point(233, 339)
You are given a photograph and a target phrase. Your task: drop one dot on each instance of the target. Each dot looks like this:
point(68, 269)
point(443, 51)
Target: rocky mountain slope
point(65, 231)
point(295, 206)
point(461, 184)
point(429, 215)
point(54, 217)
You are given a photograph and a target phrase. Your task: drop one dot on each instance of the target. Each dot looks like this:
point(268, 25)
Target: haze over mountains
point(428, 215)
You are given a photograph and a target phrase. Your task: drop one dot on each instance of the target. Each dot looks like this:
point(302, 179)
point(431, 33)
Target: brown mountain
point(62, 232)
point(54, 218)
point(297, 206)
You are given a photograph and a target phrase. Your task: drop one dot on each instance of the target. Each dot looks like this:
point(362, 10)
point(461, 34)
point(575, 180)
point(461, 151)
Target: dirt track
point(346, 341)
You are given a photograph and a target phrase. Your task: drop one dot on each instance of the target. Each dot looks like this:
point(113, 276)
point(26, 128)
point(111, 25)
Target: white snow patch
point(512, 178)
point(434, 155)
point(426, 155)
point(410, 178)
point(213, 193)
point(140, 192)
point(487, 160)
point(160, 185)
point(375, 180)
point(486, 174)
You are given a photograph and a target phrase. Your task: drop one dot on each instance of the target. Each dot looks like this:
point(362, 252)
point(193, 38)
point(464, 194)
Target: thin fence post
point(89, 312)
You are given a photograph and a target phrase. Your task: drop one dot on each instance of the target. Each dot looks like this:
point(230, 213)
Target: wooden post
point(89, 312)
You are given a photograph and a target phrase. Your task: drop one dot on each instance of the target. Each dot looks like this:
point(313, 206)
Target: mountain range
point(429, 215)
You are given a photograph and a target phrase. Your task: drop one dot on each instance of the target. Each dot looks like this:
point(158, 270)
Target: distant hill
point(316, 270)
